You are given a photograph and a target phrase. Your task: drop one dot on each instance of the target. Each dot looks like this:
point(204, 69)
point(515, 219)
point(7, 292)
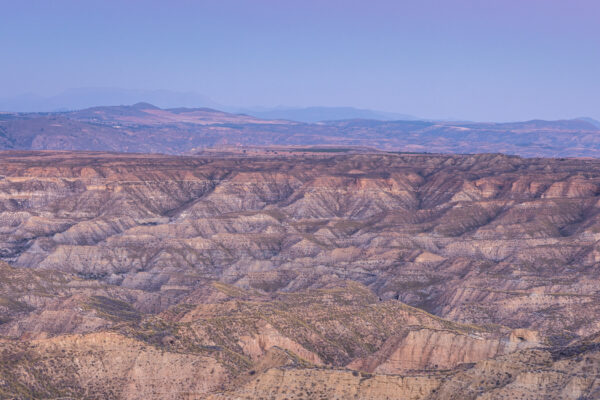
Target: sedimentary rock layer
point(398, 276)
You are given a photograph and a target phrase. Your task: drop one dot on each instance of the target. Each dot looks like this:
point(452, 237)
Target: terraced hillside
point(298, 275)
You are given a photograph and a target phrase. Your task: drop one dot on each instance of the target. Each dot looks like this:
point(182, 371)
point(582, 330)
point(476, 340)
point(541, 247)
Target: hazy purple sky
point(470, 59)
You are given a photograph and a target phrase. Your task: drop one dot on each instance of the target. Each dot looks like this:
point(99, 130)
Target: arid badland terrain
point(298, 275)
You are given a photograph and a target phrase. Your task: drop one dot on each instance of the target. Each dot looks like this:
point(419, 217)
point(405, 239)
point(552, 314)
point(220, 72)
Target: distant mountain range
point(80, 98)
point(317, 114)
point(90, 97)
point(77, 99)
point(146, 128)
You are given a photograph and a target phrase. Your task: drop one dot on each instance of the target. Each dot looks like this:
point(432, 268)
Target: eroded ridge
point(365, 275)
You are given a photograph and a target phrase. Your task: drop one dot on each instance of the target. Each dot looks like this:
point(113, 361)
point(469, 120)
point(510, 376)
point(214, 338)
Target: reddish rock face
point(440, 275)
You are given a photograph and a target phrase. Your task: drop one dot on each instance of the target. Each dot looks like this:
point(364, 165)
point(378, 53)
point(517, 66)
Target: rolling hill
point(145, 128)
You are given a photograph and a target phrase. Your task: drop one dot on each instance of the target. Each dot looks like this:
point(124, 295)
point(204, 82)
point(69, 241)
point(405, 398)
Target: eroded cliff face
point(571, 373)
point(411, 270)
point(292, 383)
point(105, 365)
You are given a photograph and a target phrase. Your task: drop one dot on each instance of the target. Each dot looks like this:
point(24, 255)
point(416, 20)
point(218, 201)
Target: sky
point(494, 60)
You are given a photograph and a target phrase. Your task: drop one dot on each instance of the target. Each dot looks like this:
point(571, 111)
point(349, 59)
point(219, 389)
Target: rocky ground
point(305, 275)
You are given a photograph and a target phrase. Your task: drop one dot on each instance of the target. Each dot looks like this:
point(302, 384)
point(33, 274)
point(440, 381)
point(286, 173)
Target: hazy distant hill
point(316, 114)
point(76, 99)
point(592, 121)
point(145, 128)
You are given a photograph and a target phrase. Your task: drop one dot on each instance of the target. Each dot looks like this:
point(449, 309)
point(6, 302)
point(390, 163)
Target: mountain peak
point(144, 106)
